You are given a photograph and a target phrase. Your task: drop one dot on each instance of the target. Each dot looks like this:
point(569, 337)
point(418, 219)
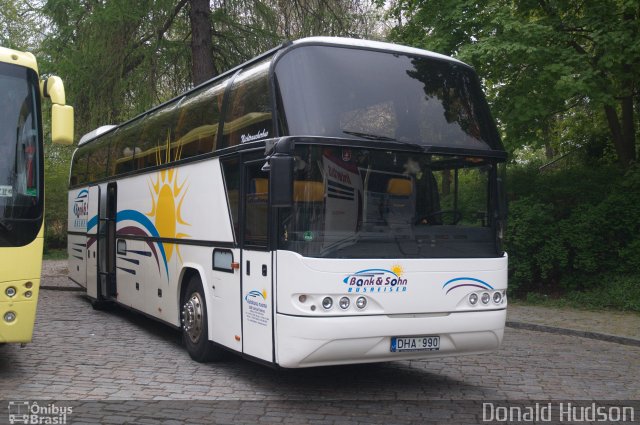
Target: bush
point(568, 228)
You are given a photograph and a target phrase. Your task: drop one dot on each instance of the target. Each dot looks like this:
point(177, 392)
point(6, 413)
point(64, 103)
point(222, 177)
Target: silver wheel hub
point(192, 317)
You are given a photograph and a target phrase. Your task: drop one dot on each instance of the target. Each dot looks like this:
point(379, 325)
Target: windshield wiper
point(370, 136)
point(381, 138)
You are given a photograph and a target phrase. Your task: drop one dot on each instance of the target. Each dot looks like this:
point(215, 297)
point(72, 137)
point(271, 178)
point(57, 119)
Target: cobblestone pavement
point(81, 354)
point(624, 324)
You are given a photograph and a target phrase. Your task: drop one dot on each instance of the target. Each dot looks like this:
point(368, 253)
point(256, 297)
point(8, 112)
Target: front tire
point(195, 329)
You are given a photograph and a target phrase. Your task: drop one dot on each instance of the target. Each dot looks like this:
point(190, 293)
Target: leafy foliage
point(543, 63)
point(572, 228)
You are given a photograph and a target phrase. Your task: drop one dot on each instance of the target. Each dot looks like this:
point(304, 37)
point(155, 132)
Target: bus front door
point(257, 287)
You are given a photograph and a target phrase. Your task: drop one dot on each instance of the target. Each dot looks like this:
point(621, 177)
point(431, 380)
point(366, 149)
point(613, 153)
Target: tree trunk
point(202, 67)
point(623, 135)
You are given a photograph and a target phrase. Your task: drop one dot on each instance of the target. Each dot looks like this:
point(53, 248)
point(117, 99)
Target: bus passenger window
point(196, 131)
point(248, 115)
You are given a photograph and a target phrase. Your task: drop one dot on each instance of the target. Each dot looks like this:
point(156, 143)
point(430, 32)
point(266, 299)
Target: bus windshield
point(364, 203)
point(340, 92)
point(20, 141)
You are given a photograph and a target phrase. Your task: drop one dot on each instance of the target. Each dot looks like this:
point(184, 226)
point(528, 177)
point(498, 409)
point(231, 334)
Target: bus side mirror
point(62, 124)
point(281, 180)
point(61, 113)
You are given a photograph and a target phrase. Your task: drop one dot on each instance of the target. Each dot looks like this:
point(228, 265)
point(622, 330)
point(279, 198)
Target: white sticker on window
point(6, 191)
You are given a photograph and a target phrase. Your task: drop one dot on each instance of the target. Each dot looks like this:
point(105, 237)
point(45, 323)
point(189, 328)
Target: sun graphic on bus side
point(397, 270)
point(167, 196)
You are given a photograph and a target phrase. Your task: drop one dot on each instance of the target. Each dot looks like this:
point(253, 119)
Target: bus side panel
point(77, 252)
point(156, 211)
point(78, 202)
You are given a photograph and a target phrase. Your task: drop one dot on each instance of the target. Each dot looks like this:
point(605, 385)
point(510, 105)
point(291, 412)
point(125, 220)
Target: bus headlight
point(485, 298)
point(497, 297)
point(344, 303)
point(473, 299)
point(327, 303)
point(361, 302)
point(9, 316)
point(10, 291)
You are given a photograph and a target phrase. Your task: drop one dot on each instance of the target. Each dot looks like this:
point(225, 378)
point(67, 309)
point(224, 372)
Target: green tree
point(542, 62)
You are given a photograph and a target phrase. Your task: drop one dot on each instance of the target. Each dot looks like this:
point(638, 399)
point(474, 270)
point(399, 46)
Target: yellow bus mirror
point(54, 90)
point(62, 124)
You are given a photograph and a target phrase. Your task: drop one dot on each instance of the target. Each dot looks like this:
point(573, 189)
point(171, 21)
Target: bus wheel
point(195, 331)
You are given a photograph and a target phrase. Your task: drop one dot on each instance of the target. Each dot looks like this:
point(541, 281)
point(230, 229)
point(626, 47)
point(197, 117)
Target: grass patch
point(55, 254)
point(619, 292)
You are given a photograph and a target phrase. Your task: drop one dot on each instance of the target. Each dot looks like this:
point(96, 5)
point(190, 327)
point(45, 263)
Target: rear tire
point(195, 329)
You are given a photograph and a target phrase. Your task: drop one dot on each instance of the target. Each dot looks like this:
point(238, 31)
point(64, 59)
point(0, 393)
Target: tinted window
point(97, 157)
point(341, 92)
point(248, 115)
point(231, 174)
point(197, 127)
point(78, 168)
point(124, 145)
point(157, 138)
point(256, 205)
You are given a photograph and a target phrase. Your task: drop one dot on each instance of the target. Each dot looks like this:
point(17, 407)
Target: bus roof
point(372, 45)
point(310, 41)
point(25, 59)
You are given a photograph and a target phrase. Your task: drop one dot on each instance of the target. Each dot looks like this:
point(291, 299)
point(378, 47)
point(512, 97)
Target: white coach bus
point(332, 201)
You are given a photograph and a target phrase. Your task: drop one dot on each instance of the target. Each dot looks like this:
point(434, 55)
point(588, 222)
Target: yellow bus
point(22, 185)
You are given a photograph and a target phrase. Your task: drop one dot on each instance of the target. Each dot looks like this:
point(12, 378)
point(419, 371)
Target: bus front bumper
point(324, 341)
point(18, 313)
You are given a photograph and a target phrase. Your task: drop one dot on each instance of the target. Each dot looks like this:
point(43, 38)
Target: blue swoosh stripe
point(92, 222)
point(148, 225)
point(468, 278)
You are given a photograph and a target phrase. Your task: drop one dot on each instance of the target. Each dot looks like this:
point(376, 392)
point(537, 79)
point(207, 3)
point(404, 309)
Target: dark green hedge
point(572, 229)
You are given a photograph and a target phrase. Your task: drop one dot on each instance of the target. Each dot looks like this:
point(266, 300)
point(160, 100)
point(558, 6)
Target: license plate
point(401, 344)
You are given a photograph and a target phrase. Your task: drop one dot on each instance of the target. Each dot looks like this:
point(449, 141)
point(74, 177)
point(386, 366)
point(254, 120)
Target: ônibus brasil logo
point(377, 280)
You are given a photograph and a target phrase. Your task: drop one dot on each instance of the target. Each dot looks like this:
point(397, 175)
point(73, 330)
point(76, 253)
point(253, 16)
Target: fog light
point(28, 294)
point(485, 298)
point(302, 298)
point(9, 316)
point(344, 303)
point(473, 299)
point(327, 303)
point(497, 297)
point(361, 303)
point(10, 291)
